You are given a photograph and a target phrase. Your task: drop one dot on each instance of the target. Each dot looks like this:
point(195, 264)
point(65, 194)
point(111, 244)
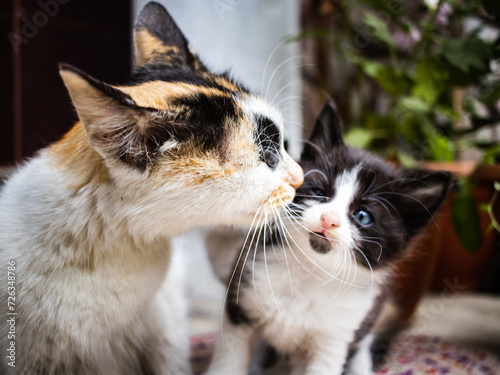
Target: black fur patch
point(157, 21)
point(167, 73)
point(113, 93)
point(268, 136)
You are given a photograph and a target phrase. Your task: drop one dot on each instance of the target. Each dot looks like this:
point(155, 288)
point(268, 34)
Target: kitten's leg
point(327, 358)
point(233, 349)
point(362, 362)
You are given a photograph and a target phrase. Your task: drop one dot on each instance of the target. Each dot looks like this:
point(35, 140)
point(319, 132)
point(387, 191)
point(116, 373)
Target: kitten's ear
point(116, 127)
point(327, 133)
point(419, 194)
point(158, 39)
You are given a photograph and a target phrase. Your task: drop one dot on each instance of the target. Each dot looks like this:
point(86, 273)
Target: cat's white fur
point(308, 304)
point(121, 302)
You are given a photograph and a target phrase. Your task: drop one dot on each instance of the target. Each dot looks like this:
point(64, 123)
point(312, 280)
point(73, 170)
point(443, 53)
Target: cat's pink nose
point(330, 220)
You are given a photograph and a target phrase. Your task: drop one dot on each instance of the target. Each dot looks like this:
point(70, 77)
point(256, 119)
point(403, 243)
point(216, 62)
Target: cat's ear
point(116, 127)
point(158, 39)
point(419, 194)
point(326, 135)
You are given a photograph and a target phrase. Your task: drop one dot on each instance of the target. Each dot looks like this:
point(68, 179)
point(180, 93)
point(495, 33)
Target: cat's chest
point(297, 307)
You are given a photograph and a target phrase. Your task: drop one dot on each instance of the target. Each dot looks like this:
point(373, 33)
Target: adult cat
point(85, 225)
point(313, 284)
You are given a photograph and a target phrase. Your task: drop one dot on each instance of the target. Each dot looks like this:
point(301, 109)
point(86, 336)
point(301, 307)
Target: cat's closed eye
point(269, 139)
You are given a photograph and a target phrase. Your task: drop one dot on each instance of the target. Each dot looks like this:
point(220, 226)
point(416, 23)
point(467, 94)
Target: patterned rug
point(411, 355)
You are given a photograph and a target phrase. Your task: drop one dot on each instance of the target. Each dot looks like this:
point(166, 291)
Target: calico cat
point(312, 285)
point(85, 225)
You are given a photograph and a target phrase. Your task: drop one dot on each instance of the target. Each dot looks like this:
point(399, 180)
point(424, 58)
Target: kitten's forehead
point(255, 107)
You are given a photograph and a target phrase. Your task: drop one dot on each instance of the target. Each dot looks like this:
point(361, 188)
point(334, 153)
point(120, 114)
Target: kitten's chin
point(320, 243)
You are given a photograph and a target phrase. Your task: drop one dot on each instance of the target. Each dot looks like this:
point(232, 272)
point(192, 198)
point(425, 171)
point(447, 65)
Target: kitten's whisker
point(324, 156)
point(364, 239)
point(369, 265)
point(410, 197)
point(311, 260)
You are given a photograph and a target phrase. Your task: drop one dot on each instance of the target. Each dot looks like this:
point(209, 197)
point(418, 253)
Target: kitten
point(312, 285)
point(85, 225)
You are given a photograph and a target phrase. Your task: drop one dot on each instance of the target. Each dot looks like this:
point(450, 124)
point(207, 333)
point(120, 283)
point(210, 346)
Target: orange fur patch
point(74, 154)
point(194, 168)
point(149, 48)
point(159, 94)
point(280, 197)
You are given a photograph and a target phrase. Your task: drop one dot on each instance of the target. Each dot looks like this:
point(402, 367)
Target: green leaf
point(496, 185)
point(414, 104)
point(429, 79)
point(467, 54)
point(440, 148)
point(490, 228)
point(394, 82)
point(406, 160)
point(484, 207)
point(466, 220)
point(359, 137)
point(380, 28)
point(491, 154)
point(489, 94)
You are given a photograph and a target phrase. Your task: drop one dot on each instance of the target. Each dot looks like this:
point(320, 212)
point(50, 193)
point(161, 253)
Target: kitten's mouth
point(319, 242)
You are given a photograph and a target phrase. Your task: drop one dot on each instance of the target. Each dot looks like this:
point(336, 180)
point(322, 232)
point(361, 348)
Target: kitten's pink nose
point(330, 220)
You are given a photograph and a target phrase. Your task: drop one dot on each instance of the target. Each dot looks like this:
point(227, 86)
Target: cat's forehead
point(157, 86)
point(254, 108)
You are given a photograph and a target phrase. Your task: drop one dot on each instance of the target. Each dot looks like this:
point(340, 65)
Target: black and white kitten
point(313, 284)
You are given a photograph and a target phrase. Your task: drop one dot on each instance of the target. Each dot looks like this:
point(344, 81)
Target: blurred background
point(417, 82)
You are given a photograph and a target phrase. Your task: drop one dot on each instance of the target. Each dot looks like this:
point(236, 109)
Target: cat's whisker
point(315, 264)
point(284, 88)
point(295, 67)
point(321, 173)
point(255, 251)
point(291, 97)
point(275, 71)
point(266, 266)
point(234, 272)
point(246, 256)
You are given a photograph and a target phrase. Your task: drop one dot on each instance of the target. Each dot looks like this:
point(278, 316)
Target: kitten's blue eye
point(319, 192)
point(363, 217)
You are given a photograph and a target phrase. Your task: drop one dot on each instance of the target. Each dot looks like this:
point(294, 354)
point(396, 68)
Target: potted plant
point(419, 83)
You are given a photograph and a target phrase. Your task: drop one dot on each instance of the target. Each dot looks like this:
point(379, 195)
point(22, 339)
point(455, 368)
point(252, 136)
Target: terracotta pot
point(438, 260)
point(455, 263)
